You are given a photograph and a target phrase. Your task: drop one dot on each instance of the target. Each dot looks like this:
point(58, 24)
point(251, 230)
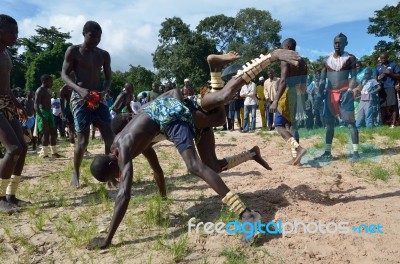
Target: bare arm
point(67, 68)
point(107, 72)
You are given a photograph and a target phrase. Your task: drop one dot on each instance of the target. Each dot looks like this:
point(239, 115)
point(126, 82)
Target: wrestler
point(46, 123)
point(292, 82)
point(88, 105)
point(340, 72)
point(172, 118)
point(11, 136)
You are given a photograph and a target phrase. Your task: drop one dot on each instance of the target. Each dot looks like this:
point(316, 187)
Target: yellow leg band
point(3, 186)
point(235, 160)
point(216, 82)
point(13, 185)
point(293, 143)
point(234, 202)
point(53, 149)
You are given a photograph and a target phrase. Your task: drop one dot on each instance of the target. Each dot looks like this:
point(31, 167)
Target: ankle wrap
point(253, 68)
point(53, 149)
point(293, 143)
point(3, 186)
point(216, 81)
point(233, 201)
point(237, 159)
point(13, 185)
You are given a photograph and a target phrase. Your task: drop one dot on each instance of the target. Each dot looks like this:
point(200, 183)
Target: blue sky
point(130, 28)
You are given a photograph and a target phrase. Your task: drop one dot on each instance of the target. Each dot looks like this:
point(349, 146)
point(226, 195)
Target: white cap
point(186, 80)
point(261, 78)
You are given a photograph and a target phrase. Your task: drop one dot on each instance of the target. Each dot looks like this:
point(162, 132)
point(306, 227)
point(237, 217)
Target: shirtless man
point(11, 136)
point(293, 80)
point(339, 98)
point(177, 124)
point(46, 123)
point(88, 62)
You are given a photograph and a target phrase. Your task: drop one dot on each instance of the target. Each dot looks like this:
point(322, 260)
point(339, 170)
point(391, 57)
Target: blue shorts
point(30, 122)
point(181, 134)
point(280, 120)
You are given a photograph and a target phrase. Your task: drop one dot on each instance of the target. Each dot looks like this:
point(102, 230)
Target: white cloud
point(130, 28)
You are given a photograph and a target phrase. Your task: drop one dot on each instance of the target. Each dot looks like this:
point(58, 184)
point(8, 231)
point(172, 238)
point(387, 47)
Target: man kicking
point(173, 119)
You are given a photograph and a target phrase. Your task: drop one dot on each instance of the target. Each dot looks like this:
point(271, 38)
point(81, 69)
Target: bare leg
point(80, 147)
point(151, 157)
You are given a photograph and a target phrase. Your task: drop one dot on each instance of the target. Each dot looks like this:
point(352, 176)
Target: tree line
point(182, 52)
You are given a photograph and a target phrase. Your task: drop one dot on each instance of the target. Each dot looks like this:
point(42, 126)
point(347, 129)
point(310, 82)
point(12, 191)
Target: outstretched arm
point(121, 202)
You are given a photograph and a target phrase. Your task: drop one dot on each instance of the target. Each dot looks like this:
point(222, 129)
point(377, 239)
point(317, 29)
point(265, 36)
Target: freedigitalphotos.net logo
point(282, 228)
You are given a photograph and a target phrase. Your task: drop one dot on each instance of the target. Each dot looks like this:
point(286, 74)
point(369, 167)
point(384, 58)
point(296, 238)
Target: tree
point(182, 53)
point(257, 33)
point(44, 54)
point(220, 29)
point(385, 23)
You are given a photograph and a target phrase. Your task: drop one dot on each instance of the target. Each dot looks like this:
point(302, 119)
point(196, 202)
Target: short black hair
point(91, 26)
point(45, 78)
point(5, 20)
point(103, 168)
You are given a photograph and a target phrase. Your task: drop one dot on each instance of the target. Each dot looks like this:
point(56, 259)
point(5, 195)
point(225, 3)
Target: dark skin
point(288, 71)
point(88, 62)
point(134, 139)
point(126, 96)
point(11, 135)
point(339, 79)
point(43, 101)
point(65, 98)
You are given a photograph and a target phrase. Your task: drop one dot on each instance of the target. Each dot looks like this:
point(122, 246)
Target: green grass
point(234, 256)
point(377, 172)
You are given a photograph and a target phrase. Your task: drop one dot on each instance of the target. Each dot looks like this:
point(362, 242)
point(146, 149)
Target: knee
point(194, 167)
point(16, 150)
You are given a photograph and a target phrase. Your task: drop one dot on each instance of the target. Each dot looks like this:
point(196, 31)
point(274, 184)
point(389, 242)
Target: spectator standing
point(248, 92)
point(387, 74)
point(270, 89)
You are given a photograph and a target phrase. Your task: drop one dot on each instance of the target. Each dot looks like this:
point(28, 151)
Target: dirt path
point(339, 192)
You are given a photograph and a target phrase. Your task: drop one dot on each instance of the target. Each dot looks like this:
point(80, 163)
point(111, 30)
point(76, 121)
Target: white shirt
point(56, 106)
point(249, 91)
point(135, 106)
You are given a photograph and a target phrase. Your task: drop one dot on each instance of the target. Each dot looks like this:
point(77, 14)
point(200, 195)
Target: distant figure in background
point(57, 113)
point(387, 74)
point(122, 103)
point(155, 92)
point(135, 104)
point(248, 92)
point(261, 100)
point(46, 123)
point(187, 89)
point(369, 87)
point(270, 89)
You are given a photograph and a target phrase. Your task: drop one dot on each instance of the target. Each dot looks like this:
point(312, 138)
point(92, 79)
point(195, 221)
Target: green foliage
point(257, 33)
point(182, 53)
point(385, 23)
point(219, 28)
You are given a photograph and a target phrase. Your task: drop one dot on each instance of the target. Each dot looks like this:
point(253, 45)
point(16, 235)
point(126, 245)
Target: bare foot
point(216, 62)
point(300, 153)
point(259, 159)
point(75, 180)
point(289, 56)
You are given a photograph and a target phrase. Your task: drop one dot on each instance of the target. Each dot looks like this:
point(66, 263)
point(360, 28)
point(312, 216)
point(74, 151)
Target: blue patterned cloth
point(165, 111)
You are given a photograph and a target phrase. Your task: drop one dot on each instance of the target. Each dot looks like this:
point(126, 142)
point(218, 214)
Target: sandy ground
point(336, 192)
